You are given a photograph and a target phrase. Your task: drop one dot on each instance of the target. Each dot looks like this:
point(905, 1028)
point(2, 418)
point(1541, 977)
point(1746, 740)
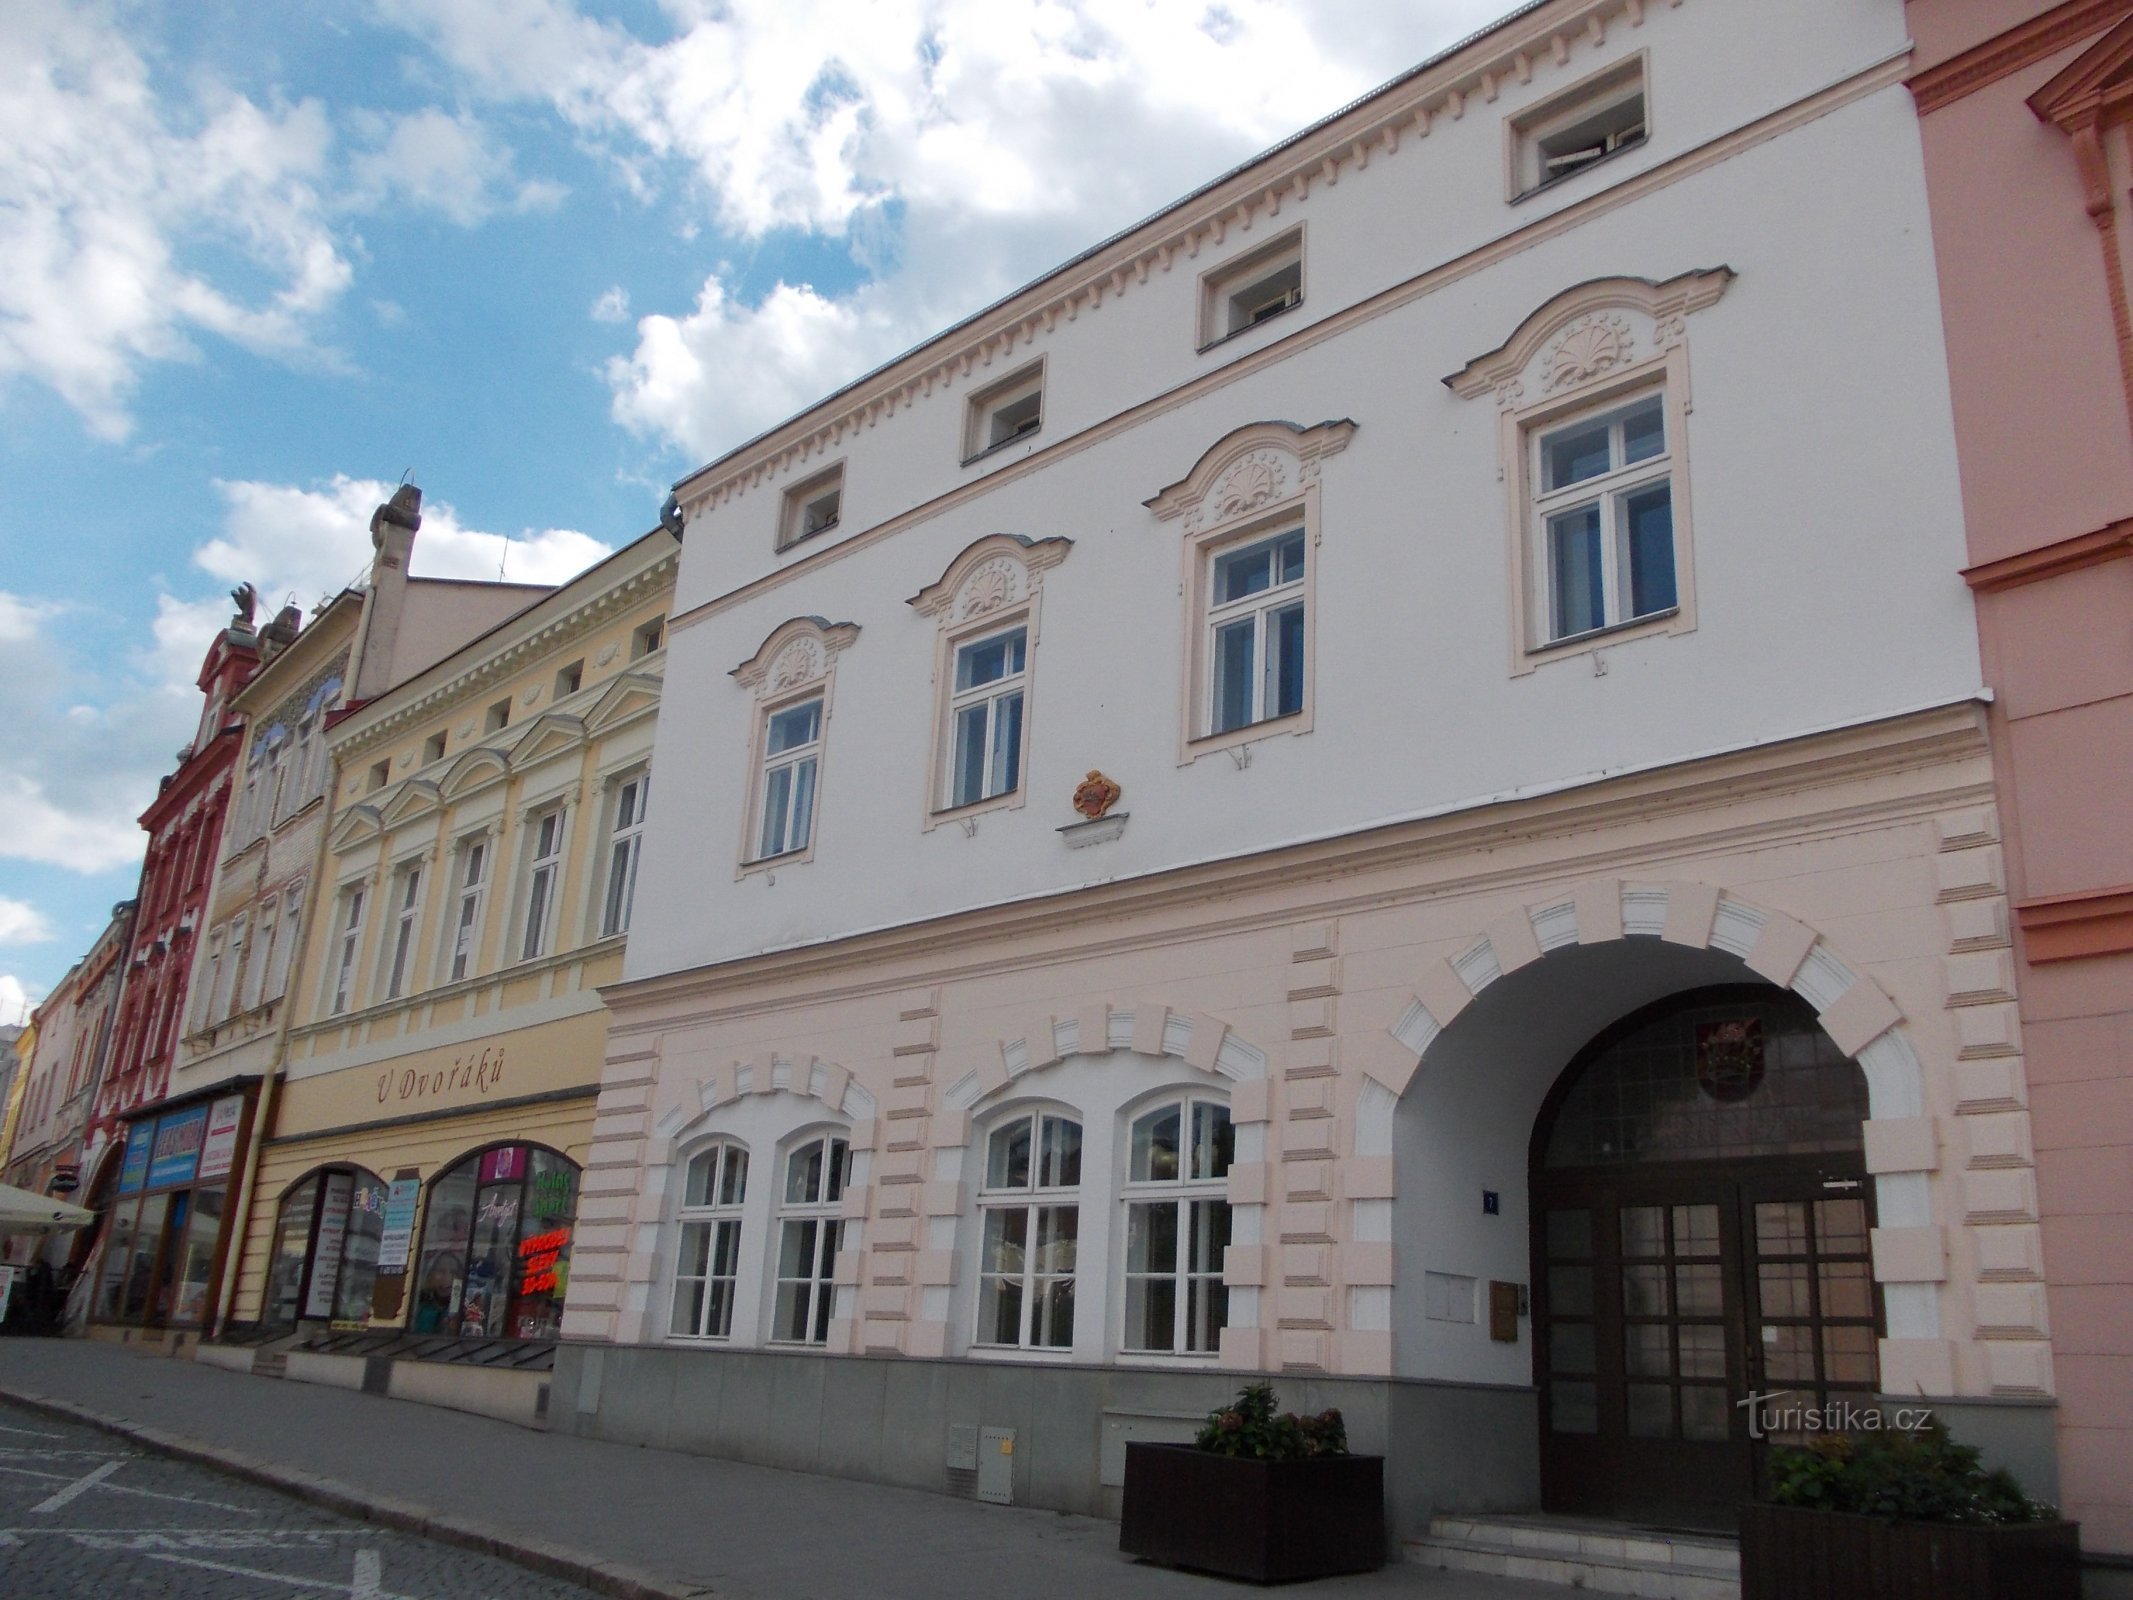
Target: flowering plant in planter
point(1261, 1494)
point(1895, 1513)
point(1248, 1426)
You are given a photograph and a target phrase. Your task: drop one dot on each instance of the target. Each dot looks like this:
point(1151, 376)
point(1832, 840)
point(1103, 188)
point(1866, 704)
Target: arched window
point(1177, 1226)
point(808, 1235)
point(707, 1272)
point(1031, 1210)
point(325, 1261)
point(496, 1245)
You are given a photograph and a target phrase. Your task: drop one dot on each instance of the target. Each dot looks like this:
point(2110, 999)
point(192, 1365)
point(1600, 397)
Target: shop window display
point(325, 1262)
point(495, 1257)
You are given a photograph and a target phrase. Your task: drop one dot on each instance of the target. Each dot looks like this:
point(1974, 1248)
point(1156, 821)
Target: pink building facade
point(2026, 110)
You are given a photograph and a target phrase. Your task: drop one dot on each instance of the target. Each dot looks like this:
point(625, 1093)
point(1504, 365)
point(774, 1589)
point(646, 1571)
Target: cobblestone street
point(82, 1515)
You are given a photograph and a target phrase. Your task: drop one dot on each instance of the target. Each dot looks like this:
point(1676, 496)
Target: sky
point(258, 261)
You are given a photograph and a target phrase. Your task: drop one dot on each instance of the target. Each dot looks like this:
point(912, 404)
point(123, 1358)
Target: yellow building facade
point(434, 1104)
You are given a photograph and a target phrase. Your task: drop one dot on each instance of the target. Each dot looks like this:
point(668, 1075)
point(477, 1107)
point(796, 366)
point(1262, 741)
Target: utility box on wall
point(996, 1466)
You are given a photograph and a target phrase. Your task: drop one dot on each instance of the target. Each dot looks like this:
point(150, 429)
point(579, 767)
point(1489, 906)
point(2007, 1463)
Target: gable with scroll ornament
point(992, 574)
point(1587, 333)
point(1260, 464)
point(798, 652)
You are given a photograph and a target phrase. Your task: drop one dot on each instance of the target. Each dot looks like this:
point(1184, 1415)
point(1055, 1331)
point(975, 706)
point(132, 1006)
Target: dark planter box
point(1790, 1553)
point(1269, 1521)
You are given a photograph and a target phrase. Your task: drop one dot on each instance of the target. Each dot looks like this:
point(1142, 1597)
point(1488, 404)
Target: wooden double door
point(1665, 1297)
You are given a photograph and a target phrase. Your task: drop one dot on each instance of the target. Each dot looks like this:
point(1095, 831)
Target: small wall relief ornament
point(1589, 347)
point(995, 584)
point(1251, 483)
point(1096, 795)
point(798, 663)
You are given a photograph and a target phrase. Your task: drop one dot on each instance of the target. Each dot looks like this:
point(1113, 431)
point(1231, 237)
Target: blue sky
point(257, 260)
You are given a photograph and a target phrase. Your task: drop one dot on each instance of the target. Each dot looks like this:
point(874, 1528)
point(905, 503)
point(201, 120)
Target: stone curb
point(617, 1578)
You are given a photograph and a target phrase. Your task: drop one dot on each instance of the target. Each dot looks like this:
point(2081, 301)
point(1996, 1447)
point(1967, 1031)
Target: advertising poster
point(177, 1148)
point(399, 1236)
point(218, 1150)
point(332, 1230)
point(135, 1172)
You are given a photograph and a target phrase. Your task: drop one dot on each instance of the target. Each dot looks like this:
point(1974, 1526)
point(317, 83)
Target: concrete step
point(1605, 1557)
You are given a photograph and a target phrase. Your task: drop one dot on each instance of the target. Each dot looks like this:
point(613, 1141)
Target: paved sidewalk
point(637, 1523)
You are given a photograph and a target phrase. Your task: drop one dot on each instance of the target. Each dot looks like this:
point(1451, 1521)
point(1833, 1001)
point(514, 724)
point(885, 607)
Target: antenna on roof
point(500, 560)
point(404, 476)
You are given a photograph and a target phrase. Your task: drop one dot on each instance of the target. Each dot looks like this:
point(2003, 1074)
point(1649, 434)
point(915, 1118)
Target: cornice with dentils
point(1542, 37)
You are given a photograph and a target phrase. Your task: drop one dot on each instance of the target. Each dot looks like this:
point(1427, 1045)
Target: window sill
point(1008, 443)
point(1569, 643)
point(1006, 800)
point(805, 538)
point(788, 858)
point(1232, 738)
point(1254, 327)
point(1560, 179)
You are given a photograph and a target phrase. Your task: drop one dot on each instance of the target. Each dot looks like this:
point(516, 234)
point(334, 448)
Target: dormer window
point(1242, 294)
point(812, 507)
point(1578, 128)
point(1003, 412)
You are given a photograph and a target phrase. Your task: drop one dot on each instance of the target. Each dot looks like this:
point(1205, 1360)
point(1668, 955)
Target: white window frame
point(474, 854)
point(290, 936)
point(990, 696)
point(1606, 495)
point(222, 1004)
point(812, 1226)
point(769, 764)
point(1001, 1203)
point(204, 991)
point(1615, 103)
point(1251, 289)
point(629, 796)
point(396, 962)
point(254, 990)
point(1258, 611)
point(800, 509)
point(1196, 1194)
point(343, 970)
point(1004, 413)
point(543, 881)
point(718, 1221)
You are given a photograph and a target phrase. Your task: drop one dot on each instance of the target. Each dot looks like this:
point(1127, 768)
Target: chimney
point(392, 535)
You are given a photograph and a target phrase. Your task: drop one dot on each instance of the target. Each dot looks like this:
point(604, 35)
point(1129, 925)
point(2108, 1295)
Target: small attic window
point(648, 638)
point(433, 748)
point(497, 717)
point(381, 773)
point(569, 679)
point(1241, 294)
point(812, 507)
point(1582, 126)
point(1003, 412)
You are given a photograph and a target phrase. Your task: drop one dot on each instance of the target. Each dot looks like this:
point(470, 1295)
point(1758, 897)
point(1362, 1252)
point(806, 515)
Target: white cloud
point(17, 999)
point(104, 190)
point(613, 306)
point(20, 618)
point(956, 147)
point(449, 164)
point(22, 923)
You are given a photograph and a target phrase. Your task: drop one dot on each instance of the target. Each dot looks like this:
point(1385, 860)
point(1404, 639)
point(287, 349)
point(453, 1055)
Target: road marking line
point(66, 1497)
point(284, 1577)
point(32, 1433)
point(369, 1576)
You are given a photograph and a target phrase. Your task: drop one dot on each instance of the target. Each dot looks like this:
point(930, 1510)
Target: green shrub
point(1248, 1426)
point(1915, 1477)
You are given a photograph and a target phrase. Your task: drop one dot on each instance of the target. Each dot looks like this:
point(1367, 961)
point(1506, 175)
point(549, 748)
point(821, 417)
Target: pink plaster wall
point(2046, 453)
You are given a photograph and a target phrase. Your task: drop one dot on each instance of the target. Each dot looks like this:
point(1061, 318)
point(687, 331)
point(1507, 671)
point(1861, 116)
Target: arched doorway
point(1700, 1217)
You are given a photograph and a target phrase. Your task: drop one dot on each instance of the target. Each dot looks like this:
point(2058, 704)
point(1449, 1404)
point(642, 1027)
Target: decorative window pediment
point(1259, 465)
point(995, 573)
point(630, 696)
point(477, 769)
point(1588, 333)
point(798, 652)
point(415, 798)
point(551, 735)
point(357, 824)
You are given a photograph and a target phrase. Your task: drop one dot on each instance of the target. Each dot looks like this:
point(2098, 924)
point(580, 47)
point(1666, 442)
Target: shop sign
point(64, 1181)
point(504, 1164)
point(399, 1235)
point(480, 1072)
point(218, 1150)
point(135, 1172)
point(177, 1148)
point(326, 1253)
point(539, 1257)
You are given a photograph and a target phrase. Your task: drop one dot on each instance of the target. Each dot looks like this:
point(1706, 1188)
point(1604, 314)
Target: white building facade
point(1502, 547)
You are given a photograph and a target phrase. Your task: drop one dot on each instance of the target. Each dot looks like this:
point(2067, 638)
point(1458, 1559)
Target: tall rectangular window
point(544, 866)
point(1255, 622)
point(792, 750)
point(625, 843)
point(707, 1270)
point(809, 1233)
point(472, 878)
point(1604, 518)
point(407, 910)
point(985, 717)
point(265, 952)
point(1177, 1227)
point(285, 950)
point(349, 948)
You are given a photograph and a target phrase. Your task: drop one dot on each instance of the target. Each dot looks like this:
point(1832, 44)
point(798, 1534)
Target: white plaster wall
point(1827, 531)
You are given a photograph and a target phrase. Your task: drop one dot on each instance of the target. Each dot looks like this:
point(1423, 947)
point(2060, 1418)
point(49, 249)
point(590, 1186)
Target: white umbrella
point(24, 1212)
